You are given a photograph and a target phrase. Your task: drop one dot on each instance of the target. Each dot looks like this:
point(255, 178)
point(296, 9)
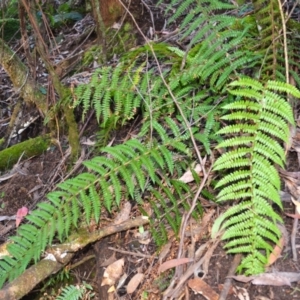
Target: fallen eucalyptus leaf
point(113, 272)
point(201, 287)
point(274, 279)
point(134, 282)
point(173, 263)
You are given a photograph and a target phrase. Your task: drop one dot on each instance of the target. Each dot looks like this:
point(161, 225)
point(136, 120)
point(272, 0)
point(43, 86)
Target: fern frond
point(261, 117)
point(71, 292)
point(120, 171)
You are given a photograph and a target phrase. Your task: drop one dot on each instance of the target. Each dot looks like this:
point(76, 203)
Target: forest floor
point(39, 174)
point(36, 176)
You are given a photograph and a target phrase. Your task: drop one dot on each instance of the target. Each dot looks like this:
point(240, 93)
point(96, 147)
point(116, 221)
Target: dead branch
point(60, 255)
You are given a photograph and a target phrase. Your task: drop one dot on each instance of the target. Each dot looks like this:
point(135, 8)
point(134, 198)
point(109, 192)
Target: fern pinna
point(258, 122)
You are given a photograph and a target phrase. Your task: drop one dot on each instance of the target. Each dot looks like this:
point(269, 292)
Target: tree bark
point(110, 11)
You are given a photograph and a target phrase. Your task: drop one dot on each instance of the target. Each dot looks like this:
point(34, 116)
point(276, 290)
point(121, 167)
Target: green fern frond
point(109, 93)
point(261, 116)
point(218, 57)
point(120, 171)
point(71, 292)
point(192, 9)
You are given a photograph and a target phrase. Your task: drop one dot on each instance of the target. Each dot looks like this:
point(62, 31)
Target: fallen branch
point(29, 148)
point(228, 282)
point(60, 255)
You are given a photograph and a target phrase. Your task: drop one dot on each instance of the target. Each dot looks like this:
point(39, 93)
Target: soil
point(39, 175)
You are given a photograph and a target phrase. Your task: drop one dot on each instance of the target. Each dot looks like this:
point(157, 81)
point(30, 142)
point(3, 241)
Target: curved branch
point(59, 256)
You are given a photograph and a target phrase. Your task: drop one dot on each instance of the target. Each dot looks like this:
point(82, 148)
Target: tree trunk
point(110, 11)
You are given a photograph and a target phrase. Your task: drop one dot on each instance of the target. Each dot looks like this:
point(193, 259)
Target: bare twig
point(227, 284)
point(286, 58)
point(187, 124)
point(172, 291)
point(189, 129)
point(130, 253)
point(293, 236)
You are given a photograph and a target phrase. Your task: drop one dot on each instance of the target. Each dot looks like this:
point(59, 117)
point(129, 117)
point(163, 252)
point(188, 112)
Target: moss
point(29, 148)
point(73, 134)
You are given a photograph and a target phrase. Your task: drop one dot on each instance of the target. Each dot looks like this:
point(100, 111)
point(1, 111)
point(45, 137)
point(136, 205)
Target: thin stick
point(286, 58)
point(130, 253)
point(187, 124)
point(228, 282)
point(293, 236)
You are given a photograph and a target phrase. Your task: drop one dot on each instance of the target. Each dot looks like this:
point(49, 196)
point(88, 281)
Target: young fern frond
point(262, 118)
point(71, 292)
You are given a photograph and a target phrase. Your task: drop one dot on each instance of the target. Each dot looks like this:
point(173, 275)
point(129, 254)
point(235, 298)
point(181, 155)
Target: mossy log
point(29, 148)
point(58, 256)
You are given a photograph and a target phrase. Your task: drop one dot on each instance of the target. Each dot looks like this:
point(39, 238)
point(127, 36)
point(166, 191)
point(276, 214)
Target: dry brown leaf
point(109, 261)
point(201, 287)
point(21, 213)
point(134, 282)
point(188, 175)
point(111, 289)
point(297, 204)
point(173, 263)
point(276, 253)
point(275, 279)
point(113, 272)
point(124, 214)
point(271, 279)
point(164, 252)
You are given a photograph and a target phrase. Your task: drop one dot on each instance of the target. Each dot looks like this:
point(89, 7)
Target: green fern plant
point(105, 86)
point(73, 292)
point(203, 79)
point(259, 121)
